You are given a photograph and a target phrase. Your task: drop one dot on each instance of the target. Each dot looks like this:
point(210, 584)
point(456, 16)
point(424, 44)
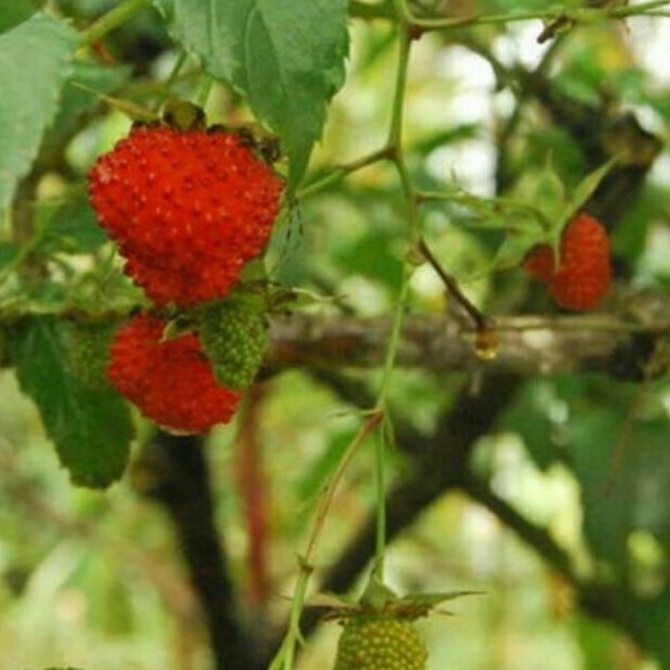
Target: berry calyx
point(187, 207)
point(170, 380)
point(379, 631)
point(380, 642)
point(583, 275)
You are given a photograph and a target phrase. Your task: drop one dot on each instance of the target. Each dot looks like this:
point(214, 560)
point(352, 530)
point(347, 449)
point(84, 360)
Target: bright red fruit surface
point(584, 274)
point(170, 381)
point(187, 209)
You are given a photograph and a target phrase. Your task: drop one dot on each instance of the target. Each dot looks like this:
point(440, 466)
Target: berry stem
point(397, 155)
point(394, 142)
point(386, 425)
point(403, 15)
point(205, 90)
point(480, 320)
point(585, 14)
point(171, 79)
point(342, 171)
point(633, 10)
point(285, 657)
point(112, 19)
point(380, 512)
point(325, 502)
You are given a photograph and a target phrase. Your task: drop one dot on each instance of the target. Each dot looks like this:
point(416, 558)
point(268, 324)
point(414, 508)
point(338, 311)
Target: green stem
point(403, 15)
point(205, 90)
point(111, 20)
point(397, 109)
point(479, 20)
point(380, 511)
point(500, 19)
point(326, 499)
point(381, 442)
point(170, 81)
point(383, 11)
point(342, 171)
point(394, 340)
point(394, 143)
point(396, 130)
point(637, 9)
point(509, 206)
point(480, 321)
point(285, 658)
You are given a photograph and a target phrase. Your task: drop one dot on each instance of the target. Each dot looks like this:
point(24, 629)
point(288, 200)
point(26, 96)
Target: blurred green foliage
point(96, 579)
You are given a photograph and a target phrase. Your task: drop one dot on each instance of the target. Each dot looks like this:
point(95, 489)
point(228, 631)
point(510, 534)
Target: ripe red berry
point(170, 380)
point(583, 276)
point(187, 208)
point(540, 263)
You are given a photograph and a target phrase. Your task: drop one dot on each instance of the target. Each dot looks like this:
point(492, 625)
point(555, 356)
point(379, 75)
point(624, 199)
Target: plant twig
point(114, 18)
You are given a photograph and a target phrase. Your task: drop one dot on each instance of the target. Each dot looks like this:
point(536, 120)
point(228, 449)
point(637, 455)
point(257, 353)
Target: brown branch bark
point(527, 346)
point(178, 478)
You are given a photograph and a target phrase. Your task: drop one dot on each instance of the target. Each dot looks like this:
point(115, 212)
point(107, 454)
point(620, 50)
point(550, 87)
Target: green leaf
point(650, 617)
point(17, 11)
point(73, 228)
point(34, 63)
point(530, 417)
point(8, 254)
point(622, 482)
point(515, 247)
point(81, 95)
point(548, 193)
point(585, 189)
point(286, 57)
point(91, 428)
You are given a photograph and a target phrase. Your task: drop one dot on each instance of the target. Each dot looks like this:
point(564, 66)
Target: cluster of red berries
point(583, 275)
point(187, 209)
point(170, 380)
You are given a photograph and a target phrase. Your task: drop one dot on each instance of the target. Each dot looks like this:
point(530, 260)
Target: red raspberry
point(540, 263)
point(170, 381)
point(187, 208)
point(584, 274)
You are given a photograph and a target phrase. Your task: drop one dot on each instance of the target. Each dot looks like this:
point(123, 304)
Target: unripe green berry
point(380, 642)
point(234, 336)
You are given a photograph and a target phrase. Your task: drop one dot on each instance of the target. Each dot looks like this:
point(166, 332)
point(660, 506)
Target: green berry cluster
point(234, 336)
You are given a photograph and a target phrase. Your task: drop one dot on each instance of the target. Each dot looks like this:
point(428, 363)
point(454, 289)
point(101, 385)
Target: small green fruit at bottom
point(380, 642)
